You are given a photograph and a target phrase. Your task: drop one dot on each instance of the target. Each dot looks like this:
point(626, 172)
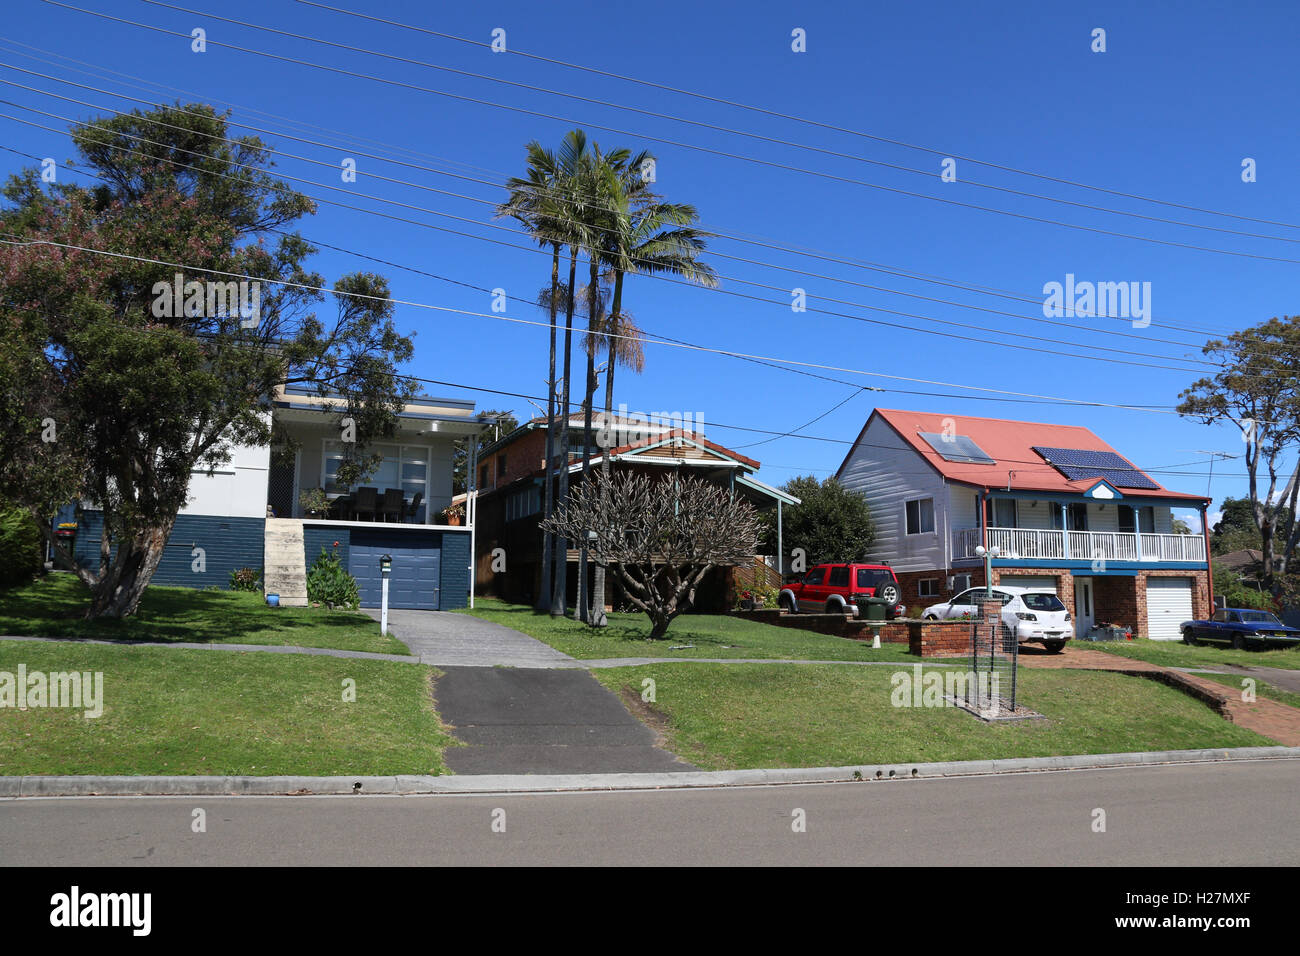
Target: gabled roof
point(1010, 444)
point(663, 446)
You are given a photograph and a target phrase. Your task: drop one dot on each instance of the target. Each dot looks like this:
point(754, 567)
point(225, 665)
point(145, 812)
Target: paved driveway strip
point(534, 720)
point(458, 640)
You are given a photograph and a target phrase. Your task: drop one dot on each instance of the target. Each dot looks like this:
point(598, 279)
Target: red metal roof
point(1011, 445)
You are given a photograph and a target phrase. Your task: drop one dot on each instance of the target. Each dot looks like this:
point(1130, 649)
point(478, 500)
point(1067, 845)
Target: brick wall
point(524, 456)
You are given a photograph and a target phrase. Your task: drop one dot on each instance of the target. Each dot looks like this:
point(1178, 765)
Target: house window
point(1127, 522)
point(1147, 519)
point(501, 466)
point(524, 502)
point(403, 466)
point(928, 587)
point(1000, 512)
point(1078, 517)
point(920, 516)
point(482, 476)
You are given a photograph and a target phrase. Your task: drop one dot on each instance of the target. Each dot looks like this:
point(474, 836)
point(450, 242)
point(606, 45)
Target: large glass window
point(1000, 512)
point(403, 466)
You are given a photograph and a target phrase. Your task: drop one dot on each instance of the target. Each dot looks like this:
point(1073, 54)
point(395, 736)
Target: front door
point(1083, 609)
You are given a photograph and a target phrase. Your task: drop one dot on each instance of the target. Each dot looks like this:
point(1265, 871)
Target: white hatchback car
point(1034, 617)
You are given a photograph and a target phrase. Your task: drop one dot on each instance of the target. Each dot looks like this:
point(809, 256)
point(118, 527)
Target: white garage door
point(1029, 581)
point(1169, 603)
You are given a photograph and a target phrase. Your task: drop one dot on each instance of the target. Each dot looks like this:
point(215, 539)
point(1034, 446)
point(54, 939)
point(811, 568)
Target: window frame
point(907, 516)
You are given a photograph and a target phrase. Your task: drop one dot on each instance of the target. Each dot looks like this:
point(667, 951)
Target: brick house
point(511, 487)
point(1064, 510)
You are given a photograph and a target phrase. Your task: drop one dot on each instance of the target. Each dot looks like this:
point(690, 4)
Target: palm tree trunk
point(548, 539)
point(611, 350)
point(593, 323)
point(560, 593)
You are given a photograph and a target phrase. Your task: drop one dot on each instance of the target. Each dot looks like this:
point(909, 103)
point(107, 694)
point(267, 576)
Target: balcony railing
point(1028, 543)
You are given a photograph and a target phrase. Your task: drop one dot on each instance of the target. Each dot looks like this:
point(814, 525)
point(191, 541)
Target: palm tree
point(647, 235)
point(543, 203)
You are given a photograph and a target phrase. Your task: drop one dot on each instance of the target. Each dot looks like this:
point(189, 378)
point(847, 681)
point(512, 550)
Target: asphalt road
point(1206, 815)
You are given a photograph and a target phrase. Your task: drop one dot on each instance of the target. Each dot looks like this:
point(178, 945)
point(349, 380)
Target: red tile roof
point(1011, 445)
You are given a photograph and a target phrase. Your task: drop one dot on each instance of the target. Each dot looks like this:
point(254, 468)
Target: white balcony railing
point(1026, 543)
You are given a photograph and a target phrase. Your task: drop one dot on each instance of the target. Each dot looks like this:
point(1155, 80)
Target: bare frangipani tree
point(660, 535)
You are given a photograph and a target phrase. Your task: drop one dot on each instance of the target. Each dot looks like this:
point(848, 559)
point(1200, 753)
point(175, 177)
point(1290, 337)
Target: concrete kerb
point(63, 786)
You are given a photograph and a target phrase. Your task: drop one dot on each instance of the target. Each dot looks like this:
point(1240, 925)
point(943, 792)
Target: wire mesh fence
point(994, 661)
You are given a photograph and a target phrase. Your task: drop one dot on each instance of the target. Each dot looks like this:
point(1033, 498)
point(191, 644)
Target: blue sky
point(1182, 94)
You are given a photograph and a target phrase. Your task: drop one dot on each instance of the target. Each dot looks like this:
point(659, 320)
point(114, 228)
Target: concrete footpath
point(14, 787)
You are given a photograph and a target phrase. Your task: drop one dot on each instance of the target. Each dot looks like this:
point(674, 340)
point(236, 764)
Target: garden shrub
point(21, 554)
point(329, 583)
point(245, 579)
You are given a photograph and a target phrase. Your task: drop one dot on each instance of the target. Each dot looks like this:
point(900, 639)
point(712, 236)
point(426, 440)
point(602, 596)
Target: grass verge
point(1262, 688)
point(1178, 654)
point(179, 711)
point(743, 716)
point(53, 607)
point(712, 635)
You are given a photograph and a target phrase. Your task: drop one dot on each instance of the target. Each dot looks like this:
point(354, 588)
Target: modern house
point(511, 478)
point(248, 513)
point(1056, 506)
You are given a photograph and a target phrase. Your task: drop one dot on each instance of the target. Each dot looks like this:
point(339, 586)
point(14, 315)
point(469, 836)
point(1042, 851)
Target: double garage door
point(416, 575)
point(1169, 603)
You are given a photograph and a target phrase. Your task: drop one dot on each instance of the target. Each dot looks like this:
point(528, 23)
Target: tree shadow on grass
point(55, 607)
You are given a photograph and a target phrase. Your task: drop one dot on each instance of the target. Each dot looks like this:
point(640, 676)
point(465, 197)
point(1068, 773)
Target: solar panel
point(958, 448)
point(1077, 463)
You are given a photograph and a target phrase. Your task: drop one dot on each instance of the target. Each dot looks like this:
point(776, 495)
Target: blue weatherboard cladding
point(315, 538)
point(228, 544)
point(455, 570)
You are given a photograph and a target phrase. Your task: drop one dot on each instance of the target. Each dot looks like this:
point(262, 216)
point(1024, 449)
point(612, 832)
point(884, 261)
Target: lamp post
point(385, 566)
point(988, 554)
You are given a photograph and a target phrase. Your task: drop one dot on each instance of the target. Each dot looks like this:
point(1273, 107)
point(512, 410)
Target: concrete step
point(284, 562)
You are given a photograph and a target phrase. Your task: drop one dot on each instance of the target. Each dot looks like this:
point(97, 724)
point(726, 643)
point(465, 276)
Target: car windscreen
point(1259, 617)
point(1042, 602)
point(873, 578)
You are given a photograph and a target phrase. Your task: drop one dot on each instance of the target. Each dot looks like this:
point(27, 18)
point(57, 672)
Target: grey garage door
point(414, 580)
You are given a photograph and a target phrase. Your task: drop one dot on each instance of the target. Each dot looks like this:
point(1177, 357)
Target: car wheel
point(1054, 647)
point(1188, 638)
point(835, 607)
point(787, 604)
point(1238, 642)
point(888, 592)
point(929, 617)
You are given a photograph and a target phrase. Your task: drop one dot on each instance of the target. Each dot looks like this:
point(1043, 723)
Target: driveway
point(458, 640)
point(518, 720)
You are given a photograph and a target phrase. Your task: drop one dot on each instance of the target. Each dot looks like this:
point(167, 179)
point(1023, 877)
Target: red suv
point(834, 588)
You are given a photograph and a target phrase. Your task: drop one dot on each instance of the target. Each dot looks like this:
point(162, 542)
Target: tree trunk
point(593, 323)
point(119, 590)
point(598, 618)
point(548, 539)
point(560, 593)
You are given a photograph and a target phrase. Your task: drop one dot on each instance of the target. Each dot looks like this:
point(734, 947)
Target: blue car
point(1241, 627)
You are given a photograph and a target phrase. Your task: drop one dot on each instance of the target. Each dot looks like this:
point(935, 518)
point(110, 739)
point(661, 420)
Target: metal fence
point(994, 660)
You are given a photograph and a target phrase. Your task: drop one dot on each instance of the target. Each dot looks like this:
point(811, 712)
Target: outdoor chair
point(392, 504)
point(413, 509)
point(366, 502)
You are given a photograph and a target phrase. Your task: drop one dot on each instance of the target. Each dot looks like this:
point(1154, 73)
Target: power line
point(799, 119)
point(623, 132)
point(709, 126)
point(807, 252)
point(981, 340)
point(550, 325)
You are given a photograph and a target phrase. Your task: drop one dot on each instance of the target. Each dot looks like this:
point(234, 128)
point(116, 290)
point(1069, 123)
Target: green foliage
point(245, 579)
point(20, 546)
point(1229, 586)
point(313, 500)
point(329, 583)
point(832, 523)
point(116, 385)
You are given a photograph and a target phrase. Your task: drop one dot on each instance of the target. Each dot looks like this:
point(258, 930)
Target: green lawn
point(1178, 654)
point(738, 716)
point(713, 635)
point(53, 607)
point(180, 711)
